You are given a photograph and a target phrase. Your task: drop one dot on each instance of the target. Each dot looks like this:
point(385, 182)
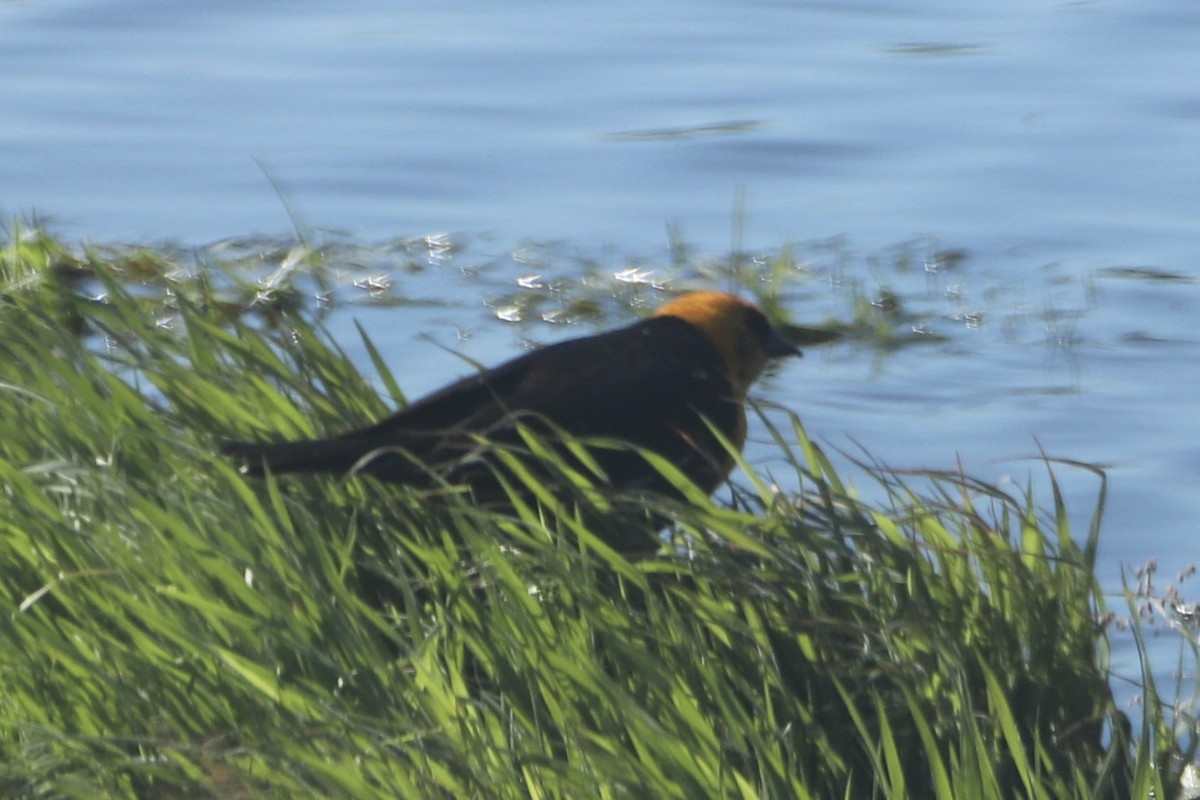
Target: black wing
point(651, 384)
point(412, 436)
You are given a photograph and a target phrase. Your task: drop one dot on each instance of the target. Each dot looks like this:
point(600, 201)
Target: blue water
point(1056, 143)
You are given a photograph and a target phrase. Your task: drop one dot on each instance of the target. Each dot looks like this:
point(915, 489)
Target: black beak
point(779, 347)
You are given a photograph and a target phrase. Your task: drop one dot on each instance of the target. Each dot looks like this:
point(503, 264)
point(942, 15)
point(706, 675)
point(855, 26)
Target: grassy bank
point(172, 630)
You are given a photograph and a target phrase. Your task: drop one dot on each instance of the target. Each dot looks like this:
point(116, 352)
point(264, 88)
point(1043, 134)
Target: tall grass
point(171, 629)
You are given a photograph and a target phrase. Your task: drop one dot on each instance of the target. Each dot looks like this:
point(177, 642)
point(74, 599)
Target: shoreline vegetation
point(174, 630)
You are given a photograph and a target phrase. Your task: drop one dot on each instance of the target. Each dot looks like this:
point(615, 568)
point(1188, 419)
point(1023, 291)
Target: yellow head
point(738, 329)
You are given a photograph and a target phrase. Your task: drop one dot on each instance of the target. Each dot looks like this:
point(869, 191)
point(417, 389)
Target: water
point(1054, 142)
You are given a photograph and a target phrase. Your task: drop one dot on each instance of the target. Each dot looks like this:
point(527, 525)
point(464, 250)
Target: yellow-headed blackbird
point(658, 384)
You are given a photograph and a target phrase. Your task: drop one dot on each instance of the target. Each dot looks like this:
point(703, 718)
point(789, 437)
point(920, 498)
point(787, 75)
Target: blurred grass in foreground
point(173, 630)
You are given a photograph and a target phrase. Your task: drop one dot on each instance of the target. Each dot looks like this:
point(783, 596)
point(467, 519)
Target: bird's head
point(737, 328)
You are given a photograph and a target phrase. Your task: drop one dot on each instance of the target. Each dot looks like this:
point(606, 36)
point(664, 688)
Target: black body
point(651, 384)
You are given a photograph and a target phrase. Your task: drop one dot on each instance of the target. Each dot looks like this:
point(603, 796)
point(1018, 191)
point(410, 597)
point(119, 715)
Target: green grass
point(171, 629)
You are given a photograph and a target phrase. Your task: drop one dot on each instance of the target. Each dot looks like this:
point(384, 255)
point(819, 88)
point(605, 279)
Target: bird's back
point(651, 384)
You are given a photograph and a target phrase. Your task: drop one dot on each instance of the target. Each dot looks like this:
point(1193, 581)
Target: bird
point(663, 384)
